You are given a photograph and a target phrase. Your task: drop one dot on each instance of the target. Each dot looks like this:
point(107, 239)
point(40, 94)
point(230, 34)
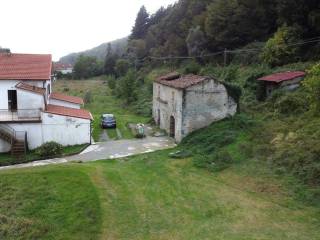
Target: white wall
point(6, 85)
point(65, 130)
point(29, 100)
point(4, 146)
point(64, 103)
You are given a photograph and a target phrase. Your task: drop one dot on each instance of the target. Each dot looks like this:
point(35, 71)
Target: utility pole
point(225, 57)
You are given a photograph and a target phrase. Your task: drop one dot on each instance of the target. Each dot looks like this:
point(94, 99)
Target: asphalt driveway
point(108, 150)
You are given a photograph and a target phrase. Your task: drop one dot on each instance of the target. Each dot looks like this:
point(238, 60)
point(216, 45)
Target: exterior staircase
point(17, 140)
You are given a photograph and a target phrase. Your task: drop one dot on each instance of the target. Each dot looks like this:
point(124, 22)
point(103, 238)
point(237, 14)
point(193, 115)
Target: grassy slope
point(102, 102)
point(151, 197)
point(48, 203)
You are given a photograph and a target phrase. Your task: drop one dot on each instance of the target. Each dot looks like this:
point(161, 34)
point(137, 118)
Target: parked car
point(108, 121)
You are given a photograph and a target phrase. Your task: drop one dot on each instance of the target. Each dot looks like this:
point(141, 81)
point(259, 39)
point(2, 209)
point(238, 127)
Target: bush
point(192, 68)
point(50, 149)
point(291, 104)
point(312, 85)
point(279, 50)
point(87, 97)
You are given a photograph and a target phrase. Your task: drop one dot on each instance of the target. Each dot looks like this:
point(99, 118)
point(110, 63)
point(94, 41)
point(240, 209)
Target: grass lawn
point(151, 197)
point(102, 102)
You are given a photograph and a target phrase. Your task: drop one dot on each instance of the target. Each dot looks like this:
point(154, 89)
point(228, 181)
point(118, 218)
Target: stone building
point(284, 80)
point(183, 104)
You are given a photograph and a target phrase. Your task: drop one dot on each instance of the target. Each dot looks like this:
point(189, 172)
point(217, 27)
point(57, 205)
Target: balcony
point(21, 115)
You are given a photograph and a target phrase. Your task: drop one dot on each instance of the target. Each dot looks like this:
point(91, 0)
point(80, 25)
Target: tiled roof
point(180, 82)
point(16, 66)
point(31, 88)
point(282, 76)
point(66, 98)
point(70, 112)
point(61, 66)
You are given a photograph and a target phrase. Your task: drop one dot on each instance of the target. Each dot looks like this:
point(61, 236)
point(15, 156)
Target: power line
point(225, 52)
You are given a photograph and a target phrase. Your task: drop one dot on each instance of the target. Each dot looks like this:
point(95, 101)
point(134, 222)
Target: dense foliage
point(86, 67)
point(50, 149)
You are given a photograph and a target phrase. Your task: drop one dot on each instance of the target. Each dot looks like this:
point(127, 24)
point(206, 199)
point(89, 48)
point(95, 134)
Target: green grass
point(102, 102)
point(48, 204)
point(152, 197)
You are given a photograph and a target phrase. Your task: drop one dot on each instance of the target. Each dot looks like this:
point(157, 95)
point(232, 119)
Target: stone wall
point(204, 104)
point(167, 102)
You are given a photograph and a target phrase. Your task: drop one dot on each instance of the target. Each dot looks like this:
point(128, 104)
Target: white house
point(183, 104)
point(63, 68)
point(30, 113)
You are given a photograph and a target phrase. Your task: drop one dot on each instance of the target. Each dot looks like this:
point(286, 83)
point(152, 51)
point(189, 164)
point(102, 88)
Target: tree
point(122, 67)
point(312, 84)
point(110, 61)
point(86, 67)
point(281, 48)
point(235, 23)
point(195, 41)
point(126, 87)
point(141, 25)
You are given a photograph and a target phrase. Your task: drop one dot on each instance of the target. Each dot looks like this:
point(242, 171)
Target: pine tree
point(141, 26)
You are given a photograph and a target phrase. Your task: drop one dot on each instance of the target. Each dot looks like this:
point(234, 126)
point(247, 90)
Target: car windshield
point(108, 118)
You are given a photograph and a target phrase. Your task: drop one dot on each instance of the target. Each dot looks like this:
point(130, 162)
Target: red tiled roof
point(70, 112)
point(181, 82)
point(61, 66)
point(282, 76)
point(66, 98)
point(16, 66)
point(31, 88)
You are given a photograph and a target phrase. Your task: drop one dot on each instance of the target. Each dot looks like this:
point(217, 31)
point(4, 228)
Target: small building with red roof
point(185, 103)
point(286, 80)
point(30, 113)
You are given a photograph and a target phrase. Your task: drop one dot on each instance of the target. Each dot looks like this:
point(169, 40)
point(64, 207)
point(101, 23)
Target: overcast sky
point(60, 27)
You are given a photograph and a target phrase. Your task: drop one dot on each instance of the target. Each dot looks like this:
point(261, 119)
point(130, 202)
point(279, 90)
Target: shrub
point(312, 85)
point(279, 50)
point(50, 149)
point(87, 97)
point(291, 104)
point(192, 68)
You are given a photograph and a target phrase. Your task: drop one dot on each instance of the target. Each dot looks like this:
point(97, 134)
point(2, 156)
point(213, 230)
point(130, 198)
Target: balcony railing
point(20, 115)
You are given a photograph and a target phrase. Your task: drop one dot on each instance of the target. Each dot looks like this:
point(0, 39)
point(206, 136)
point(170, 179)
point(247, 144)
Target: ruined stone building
point(183, 104)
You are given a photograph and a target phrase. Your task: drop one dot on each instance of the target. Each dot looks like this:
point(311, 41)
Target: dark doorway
point(159, 117)
point(172, 127)
point(12, 100)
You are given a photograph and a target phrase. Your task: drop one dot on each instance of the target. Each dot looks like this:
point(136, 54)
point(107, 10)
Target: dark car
point(108, 121)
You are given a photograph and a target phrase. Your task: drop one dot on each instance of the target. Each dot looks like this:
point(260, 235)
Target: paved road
point(108, 150)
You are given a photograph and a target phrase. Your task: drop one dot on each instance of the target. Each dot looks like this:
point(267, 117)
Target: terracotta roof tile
point(282, 76)
point(31, 88)
point(180, 82)
point(66, 98)
point(16, 66)
point(70, 112)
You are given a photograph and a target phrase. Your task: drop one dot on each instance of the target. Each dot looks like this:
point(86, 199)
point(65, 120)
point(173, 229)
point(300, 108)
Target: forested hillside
point(194, 28)
point(119, 47)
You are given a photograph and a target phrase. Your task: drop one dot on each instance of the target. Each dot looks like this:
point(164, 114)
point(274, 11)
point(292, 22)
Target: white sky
point(60, 27)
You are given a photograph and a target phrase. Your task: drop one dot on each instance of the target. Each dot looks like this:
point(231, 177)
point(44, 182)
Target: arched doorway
point(172, 127)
